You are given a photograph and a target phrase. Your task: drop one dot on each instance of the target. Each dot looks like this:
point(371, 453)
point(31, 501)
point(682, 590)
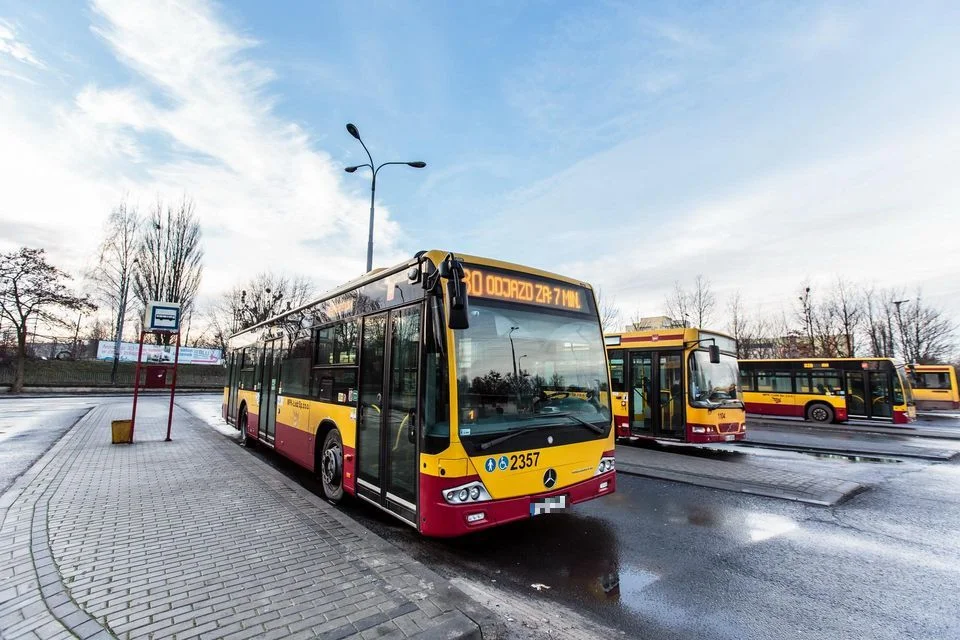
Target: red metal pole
point(173, 386)
point(136, 386)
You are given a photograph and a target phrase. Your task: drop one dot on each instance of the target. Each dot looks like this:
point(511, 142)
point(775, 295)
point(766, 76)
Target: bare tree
point(170, 257)
point(262, 297)
point(691, 306)
point(847, 306)
point(805, 314)
point(702, 301)
point(878, 322)
point(927, 333)
point(30, 287)
point(609, 312)
point(114, 272)
point(740, 326)
point(678, 304)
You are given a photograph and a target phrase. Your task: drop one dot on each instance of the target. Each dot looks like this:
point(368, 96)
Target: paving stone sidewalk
point(734, 476)
point(196, 538)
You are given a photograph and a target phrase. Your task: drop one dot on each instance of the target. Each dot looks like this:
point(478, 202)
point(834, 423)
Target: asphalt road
point(801, 436)
point(668, 560)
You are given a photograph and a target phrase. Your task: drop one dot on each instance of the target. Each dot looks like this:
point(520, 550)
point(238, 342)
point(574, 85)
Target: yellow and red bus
point(454, 392)
point(828, 389)
point(934, 386)
point(676, 384)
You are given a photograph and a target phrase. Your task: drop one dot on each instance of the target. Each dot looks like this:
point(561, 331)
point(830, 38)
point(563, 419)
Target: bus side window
point(746, 380)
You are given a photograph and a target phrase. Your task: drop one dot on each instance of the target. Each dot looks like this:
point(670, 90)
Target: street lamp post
point(352, 130)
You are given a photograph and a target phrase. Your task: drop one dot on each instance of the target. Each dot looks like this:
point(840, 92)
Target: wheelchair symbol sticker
point(503, 463)
point(490, 465)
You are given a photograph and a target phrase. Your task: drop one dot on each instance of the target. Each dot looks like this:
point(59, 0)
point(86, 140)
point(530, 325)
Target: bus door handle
point(412, 426)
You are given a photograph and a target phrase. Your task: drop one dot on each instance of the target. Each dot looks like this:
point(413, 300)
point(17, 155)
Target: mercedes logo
point(549, 478)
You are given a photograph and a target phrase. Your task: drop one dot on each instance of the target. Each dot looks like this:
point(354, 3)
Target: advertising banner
point(156, 353)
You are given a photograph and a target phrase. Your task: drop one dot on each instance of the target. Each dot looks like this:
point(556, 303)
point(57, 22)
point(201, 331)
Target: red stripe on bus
point(658, 338)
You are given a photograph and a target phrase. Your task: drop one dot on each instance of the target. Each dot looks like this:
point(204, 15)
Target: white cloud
point(879, 212)
point(11, 46)
point(198, 119)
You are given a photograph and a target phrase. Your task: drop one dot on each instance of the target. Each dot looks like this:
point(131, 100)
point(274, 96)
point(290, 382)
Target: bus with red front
point(676, 384)
point(828, 389)
point(454, 392)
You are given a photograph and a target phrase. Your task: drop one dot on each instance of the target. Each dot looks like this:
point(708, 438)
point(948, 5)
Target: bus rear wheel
point(331, 466)
point(820, 413)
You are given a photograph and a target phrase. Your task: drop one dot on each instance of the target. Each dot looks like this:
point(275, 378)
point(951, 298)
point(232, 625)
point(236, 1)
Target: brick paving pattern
point(734, 476)
point(196, 538)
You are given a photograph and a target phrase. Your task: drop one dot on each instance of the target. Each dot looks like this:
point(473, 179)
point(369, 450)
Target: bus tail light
point(467, 493)
point(606, 464)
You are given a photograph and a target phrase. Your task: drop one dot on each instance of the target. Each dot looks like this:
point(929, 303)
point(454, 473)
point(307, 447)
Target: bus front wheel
point(820, 413)
point(331, 466)
point(245, 440)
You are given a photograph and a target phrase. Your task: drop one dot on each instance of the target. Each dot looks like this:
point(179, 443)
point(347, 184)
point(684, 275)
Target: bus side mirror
point(714, 354)
point(458, 305)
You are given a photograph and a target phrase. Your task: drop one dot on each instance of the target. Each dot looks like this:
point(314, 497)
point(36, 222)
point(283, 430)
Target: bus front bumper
point(446, 520)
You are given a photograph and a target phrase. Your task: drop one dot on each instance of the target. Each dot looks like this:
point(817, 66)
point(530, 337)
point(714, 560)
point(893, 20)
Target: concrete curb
point(844, 491)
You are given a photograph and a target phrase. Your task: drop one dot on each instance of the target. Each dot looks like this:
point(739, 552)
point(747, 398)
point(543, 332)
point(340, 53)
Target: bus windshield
point(521, 368)
point(714, 384)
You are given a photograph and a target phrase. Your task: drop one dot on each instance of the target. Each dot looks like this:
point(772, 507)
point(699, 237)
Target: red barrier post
point(136, 386)
point(173, 385)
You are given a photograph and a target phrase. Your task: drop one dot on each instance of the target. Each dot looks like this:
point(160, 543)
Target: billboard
point(157, 353)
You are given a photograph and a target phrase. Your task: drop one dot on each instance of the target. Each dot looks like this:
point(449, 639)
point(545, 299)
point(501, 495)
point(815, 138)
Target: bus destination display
point(517, 288)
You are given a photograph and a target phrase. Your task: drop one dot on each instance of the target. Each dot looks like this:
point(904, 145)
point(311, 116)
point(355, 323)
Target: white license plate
point(548, 505)
point(729, 438)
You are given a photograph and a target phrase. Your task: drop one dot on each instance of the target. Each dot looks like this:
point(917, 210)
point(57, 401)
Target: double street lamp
point(352, 130)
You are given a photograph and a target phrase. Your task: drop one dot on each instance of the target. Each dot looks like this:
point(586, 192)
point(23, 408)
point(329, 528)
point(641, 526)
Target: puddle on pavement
point(849, 457)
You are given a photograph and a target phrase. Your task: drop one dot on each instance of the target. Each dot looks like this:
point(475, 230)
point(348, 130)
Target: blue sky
point(631, 145)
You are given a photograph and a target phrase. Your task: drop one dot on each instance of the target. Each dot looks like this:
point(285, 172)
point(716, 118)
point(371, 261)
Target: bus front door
point(656, 397)
point(642, 400)
point(869, 394)
point(233, 386)
point(387, 431)
point(269, 379)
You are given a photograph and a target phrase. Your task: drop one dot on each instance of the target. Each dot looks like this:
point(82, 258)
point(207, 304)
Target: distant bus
point(934, 386)
point(828, 389)
point(455, 393)
point(675, 384)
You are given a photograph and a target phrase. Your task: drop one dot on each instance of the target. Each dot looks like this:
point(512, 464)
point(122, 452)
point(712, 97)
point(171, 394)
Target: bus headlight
point(606, 464)
point(466, 494)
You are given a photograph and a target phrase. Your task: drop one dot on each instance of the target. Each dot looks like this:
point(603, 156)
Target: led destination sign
point(525, 289)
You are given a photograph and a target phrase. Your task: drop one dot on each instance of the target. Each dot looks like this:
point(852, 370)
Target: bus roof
point(436, 256)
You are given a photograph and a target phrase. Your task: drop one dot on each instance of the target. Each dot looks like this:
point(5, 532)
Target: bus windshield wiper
point(589, 425)
point(512, 434)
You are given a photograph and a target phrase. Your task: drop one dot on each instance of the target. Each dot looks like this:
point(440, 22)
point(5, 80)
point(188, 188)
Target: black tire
point(331, 466)
point(242, 425)
point(819, 412)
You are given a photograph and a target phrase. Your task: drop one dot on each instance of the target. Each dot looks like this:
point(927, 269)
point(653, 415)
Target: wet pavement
point(695, 466)
point(673, 560)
